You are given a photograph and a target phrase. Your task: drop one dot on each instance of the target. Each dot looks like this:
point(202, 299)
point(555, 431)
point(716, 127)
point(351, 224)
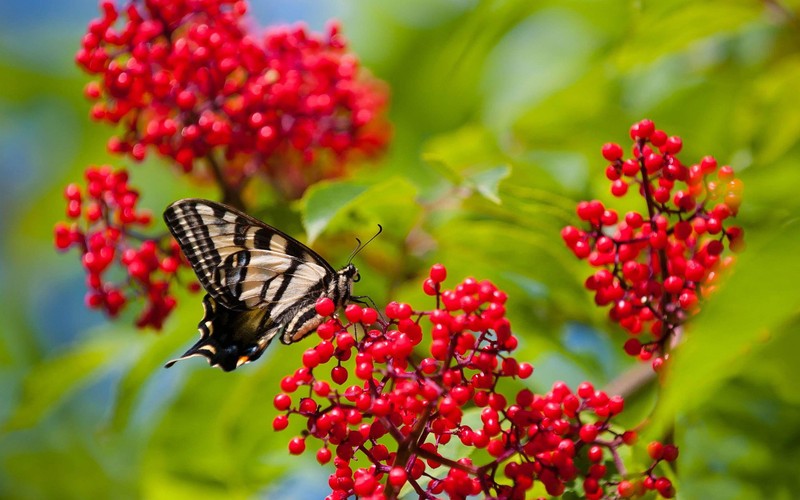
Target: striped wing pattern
point(260, 282)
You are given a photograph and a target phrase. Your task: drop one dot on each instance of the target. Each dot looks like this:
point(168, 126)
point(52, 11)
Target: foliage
point(499, 111)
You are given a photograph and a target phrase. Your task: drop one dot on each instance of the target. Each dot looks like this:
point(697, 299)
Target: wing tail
point(228, 338)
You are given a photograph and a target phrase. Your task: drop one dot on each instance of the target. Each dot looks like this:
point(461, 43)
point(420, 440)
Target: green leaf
point(469, 157)
point(52, 380)
point(391, 203)
point(323, 201)
point(487, 182)
point(463, 148)
point(672, 26)
point(777, 97)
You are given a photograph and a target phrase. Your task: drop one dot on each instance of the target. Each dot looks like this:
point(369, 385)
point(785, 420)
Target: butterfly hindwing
point(230, 338)
point(260, 281)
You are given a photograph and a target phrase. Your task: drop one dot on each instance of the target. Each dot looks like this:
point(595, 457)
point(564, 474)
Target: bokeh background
point(499, 110)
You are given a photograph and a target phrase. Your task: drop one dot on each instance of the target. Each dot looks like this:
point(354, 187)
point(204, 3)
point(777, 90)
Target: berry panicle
point(189, 81)
point(655, 264)
point(105, 221)
point(381, 397)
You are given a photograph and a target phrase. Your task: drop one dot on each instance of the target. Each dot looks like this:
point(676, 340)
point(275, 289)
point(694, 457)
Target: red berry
point(619, 188)
point(670, 452)
point(73, 208)
point(658, 138)
point(588, 433)
point(663, 484)
point(725, 173)
point(708, 165)
point(634, 220)
point(645, 129)
point(282, 402)
point(311, 358)
point(525, 370)
point(673, 145)
point(655, 450)
point(612, 152)
point(403, 311)
point(629, 437)
point(673, 284)
point(325, 307)
point(430, 287)
point(353, 313)
point(280, 422)
point(339, 374)
point(169, 264)
point(714, 247)
point(307, 405)
point(438, 273)
point(397, 477)
point(585, 390)
point(63, 236)
point(369, 316)
point(653, 163)
point(630, 167)
point(297, 446)
point(683, 230)
point(633, 347)
point(571, 235)
point(626, 489)
point(323, 455)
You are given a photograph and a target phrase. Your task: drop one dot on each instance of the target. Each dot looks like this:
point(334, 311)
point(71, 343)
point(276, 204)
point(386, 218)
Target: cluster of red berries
point(397, 399)
point(186, 78)
point(107, 236)
point(655, 265)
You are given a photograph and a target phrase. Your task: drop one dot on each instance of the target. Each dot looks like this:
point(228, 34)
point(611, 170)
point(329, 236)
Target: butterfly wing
point(260, 281)
point(242, 262)
point(229, 338)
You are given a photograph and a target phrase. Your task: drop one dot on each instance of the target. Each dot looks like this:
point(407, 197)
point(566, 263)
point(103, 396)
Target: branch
point(230, 195)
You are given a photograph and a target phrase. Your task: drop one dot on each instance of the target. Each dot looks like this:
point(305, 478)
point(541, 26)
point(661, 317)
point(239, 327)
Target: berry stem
point(230, 195)
point(666, 297)
point(409, 445)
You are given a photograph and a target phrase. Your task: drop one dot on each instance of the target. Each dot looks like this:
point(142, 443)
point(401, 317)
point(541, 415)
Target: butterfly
point(260, 282)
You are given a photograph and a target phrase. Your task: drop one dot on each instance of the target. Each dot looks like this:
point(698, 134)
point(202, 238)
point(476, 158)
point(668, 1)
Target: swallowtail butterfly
point(260, 282)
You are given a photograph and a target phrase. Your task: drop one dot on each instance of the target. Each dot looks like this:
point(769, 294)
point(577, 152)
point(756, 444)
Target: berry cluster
point(186, 78)
point(655, 265)
point(368, 394)
point(107, 236)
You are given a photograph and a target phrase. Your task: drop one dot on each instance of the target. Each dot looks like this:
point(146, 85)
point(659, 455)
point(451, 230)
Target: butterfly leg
point(365, 300)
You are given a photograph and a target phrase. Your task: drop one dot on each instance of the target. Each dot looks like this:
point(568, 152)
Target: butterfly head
point(342, 287)
point(350, 273)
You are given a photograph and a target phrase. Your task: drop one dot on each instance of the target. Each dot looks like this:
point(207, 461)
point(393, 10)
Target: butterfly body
point(260, 282)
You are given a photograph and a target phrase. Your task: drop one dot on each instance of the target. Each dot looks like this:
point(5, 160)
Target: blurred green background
point(499, 110)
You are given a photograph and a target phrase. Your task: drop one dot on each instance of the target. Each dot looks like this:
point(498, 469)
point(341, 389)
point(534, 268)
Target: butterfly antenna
point(360, 247)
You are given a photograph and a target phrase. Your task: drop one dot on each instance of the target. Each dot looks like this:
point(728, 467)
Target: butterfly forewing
point(233, 253)
point(260, 281)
